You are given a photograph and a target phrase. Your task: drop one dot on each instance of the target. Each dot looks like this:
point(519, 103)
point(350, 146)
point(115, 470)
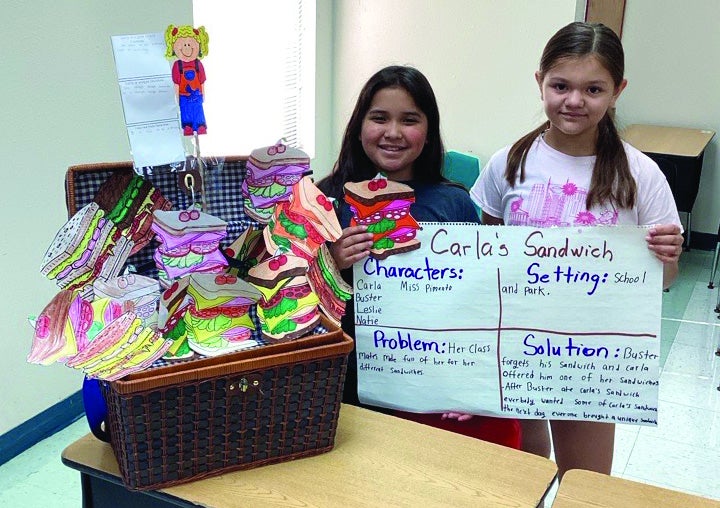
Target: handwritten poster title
point(515, 321)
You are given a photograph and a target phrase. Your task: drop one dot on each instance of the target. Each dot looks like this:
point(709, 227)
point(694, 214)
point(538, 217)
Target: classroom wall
point(63, 101)
point(479, 55)
point(672, 50)
point(61, 106)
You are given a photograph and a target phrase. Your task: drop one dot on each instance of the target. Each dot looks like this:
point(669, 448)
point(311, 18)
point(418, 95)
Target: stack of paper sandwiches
point(96, 242)
point(270, 284)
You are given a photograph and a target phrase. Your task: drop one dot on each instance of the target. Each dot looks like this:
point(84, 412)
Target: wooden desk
point(679, 153)
point(584, 489)
point(378, 460)
point(668, 140)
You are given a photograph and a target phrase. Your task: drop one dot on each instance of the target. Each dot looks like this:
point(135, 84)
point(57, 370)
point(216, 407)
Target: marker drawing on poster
point(556, 323)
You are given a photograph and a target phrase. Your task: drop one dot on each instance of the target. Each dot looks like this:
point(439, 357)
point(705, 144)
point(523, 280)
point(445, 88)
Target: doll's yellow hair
point(173, 33)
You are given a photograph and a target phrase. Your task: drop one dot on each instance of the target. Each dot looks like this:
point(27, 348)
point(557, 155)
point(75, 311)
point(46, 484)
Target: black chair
point(670, 170)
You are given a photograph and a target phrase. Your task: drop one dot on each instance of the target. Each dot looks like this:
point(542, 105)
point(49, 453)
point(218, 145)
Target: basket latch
point(247, 384)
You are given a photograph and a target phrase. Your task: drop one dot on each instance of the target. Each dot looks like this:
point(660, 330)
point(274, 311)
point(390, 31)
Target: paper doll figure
point(188, 45)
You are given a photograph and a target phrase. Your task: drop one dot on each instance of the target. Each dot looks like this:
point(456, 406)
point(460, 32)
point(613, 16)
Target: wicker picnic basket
point(185, 421)
point(179, 423)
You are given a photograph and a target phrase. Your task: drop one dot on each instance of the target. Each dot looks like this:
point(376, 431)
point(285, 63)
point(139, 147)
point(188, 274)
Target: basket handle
point(95, 409)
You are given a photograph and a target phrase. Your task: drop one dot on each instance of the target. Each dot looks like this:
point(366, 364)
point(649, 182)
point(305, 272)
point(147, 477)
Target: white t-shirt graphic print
point(556, 186)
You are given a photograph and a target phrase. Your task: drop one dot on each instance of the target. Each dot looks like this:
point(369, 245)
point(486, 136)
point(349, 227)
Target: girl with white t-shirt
point(574, 170)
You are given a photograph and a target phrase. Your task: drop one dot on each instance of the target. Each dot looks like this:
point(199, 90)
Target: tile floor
point(681, 453)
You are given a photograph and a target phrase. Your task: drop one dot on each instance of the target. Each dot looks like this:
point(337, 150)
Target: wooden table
point(677, 141)
point(679, 152)
point(378, 460)
point(585, 489)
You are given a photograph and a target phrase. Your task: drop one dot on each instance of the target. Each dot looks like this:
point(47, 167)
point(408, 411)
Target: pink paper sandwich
point(49, 340)
point(124, 329)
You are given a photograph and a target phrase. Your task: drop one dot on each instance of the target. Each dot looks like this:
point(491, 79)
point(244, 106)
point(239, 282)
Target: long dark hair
point(353, 165)
point(611, 178)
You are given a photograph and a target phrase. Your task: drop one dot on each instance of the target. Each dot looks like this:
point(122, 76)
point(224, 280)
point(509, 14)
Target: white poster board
point(556, 323)
point(152, 115)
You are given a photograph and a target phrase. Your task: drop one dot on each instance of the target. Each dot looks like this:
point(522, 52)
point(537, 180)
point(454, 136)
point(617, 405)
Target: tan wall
point(479, 55)
point(671, 54)
point(61, 106)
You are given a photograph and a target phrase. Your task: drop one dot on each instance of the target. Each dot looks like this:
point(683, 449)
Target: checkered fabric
point(223, 199)
point(222, 188)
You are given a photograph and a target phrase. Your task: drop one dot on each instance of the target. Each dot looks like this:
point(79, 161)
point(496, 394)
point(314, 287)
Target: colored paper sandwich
point(384, 207)
point(218, 319)
point(326, 281)
point(288, 308)
point(189, 242)
point(300, 226)
point(270, 174)
point(85, 248)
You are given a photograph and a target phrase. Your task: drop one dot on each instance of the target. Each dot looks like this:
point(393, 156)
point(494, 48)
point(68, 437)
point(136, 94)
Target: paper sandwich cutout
point(189, 242)
point(121, 348)
point(174, 303)
point(288, 308)
point(137, 293)
point(245, 252)
point(95, 337)
point(300, 225)
point(325, 280)
point(270, 174)
point(384, 207)
point(218, 319)
point(95, 243)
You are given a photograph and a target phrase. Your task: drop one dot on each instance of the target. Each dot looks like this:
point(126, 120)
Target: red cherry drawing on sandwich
point(277, 262)
point(230, 252)
point(225, 279)
point(374, 185)
point(276, 149)
point(324, 202)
